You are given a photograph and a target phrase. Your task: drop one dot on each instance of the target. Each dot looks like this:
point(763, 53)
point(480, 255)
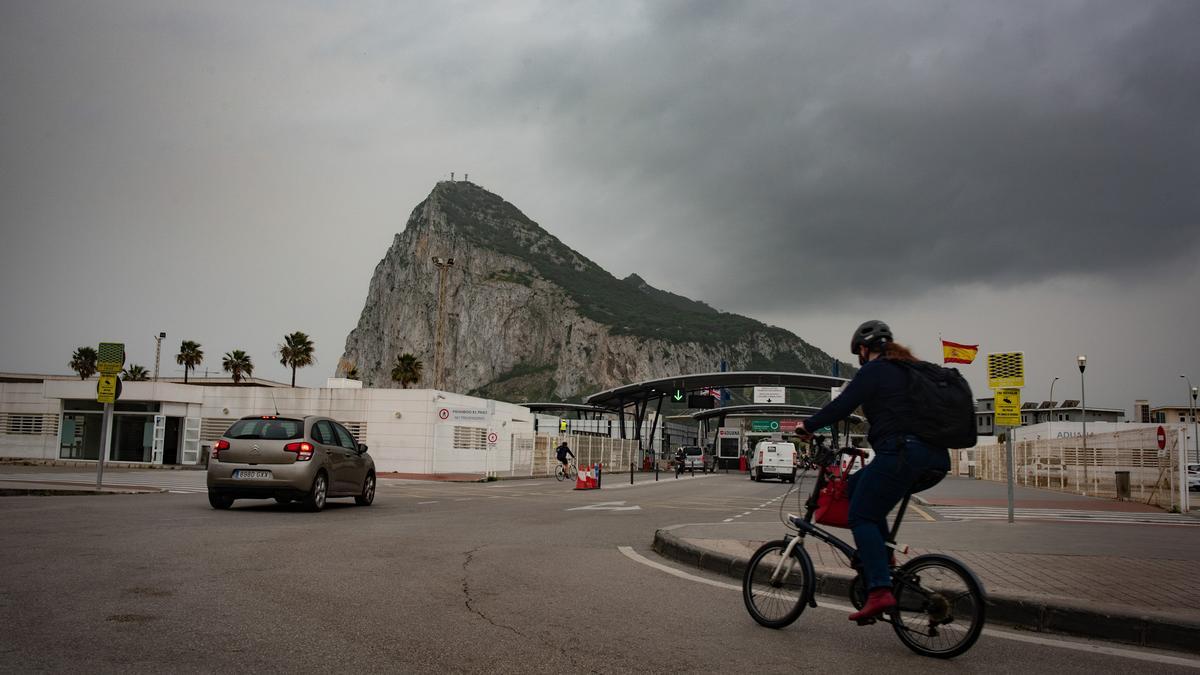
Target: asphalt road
point(501, 577)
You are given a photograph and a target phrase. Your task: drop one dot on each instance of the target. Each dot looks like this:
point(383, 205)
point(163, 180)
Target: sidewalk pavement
point(1127, 583)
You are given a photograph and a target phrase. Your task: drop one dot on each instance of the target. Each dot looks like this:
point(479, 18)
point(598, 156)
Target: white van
point(774, 460)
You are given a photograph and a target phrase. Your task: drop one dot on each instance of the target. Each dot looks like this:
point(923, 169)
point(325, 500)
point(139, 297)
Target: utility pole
point(442, 264)
point(1195, 426)
point(158, 351)
point(1082, 360)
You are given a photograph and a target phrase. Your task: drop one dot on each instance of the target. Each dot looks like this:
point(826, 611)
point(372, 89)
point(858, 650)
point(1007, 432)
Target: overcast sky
point(1025, 175)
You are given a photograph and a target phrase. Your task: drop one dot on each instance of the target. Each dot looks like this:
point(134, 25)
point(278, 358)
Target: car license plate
point(243, 474)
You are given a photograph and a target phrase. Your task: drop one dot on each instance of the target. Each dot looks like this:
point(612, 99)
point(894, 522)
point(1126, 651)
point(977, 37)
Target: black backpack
point(943, 409)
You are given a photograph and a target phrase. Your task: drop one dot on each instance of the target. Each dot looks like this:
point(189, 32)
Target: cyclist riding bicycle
point(562, 452)
point(680, 460)
point(903, 463)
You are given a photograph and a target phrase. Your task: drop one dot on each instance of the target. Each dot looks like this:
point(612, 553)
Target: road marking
point(1065, 516)
point(433, 502)
point(628, 552)
point(921, 512)
point(607, 506)
point(1088, 647)
point(727, 520)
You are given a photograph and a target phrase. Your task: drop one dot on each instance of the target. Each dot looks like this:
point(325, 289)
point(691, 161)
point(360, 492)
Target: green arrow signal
point(678, 395)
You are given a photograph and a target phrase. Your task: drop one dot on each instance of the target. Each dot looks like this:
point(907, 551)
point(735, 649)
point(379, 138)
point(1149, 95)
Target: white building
point(407, 430)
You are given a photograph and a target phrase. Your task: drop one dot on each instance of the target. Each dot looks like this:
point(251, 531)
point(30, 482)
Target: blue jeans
point(901, 466)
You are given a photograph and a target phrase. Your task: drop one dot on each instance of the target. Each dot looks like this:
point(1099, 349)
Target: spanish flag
point(952, 352)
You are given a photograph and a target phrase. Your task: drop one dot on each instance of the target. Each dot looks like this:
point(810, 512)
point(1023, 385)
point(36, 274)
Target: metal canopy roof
point(644, 391)
point(761, 409)
point(568, 407)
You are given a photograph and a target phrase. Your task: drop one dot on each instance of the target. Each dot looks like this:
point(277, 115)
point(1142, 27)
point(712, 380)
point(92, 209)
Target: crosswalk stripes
point(1064, 515)
point(172, 481)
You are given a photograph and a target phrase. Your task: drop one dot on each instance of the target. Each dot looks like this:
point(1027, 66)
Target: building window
point(23, 424)
point(470, 438)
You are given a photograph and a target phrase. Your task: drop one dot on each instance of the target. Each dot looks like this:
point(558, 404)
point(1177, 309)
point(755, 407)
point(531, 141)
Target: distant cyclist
point(563, 452)
point(680, 459)
point(903, 463)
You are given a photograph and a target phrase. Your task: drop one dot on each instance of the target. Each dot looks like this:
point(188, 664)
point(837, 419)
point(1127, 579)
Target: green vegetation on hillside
point(629, 307)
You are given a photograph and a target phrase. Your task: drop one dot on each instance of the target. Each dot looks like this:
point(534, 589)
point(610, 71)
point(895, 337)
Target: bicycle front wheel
point(775, 590)
point(939, 606)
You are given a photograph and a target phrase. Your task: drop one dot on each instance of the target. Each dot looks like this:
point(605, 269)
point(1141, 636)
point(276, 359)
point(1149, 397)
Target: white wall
point(28, 398)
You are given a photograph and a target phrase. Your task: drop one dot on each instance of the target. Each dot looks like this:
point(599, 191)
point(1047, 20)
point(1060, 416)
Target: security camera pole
point(1006, 376)
point(110, 358)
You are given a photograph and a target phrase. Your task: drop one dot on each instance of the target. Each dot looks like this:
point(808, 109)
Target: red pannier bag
point(833, 501)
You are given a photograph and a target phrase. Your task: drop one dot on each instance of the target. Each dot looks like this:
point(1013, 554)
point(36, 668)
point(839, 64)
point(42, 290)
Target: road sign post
point(1006, 375)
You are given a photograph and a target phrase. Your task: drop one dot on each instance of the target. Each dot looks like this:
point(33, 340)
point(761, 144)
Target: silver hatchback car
point(289, 459)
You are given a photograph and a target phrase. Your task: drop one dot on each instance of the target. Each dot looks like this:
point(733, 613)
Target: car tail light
point(218, 447)
point(303, 450)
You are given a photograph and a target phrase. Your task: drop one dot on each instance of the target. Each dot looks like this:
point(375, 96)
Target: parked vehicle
point(695, 459)
point(774, 460)
point(289, 459)
point(1193, 477)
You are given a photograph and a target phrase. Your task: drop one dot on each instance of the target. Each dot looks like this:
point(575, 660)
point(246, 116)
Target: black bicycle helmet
point(873, 334)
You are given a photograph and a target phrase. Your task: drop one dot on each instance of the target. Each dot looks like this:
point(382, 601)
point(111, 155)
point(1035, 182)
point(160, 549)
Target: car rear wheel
point(368, 491)
point(219, 501)
point(315, 501)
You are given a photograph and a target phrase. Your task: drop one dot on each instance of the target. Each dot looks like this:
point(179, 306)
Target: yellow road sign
point(110, 358)
point(1008, 407)
point(106, 389)
point(1006, 369)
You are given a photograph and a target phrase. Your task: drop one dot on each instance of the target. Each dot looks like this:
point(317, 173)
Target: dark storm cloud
point(938, 143)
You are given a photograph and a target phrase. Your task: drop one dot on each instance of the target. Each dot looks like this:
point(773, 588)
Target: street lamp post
point(158, 351)
point(442, 264)
point(1050, 411)
point(1195, 425)
point(1082, 360)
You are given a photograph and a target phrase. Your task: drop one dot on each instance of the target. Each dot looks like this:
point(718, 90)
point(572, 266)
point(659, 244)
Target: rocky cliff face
point(527, 318)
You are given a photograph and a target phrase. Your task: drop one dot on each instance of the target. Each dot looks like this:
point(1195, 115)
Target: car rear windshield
point(693, 452)
point(271, 428)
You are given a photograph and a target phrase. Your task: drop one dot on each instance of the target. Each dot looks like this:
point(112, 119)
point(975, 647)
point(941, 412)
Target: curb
point(1115, 623)
point(50, 492)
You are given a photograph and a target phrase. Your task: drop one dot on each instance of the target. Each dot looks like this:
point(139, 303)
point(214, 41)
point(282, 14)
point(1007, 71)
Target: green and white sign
point(768, 426)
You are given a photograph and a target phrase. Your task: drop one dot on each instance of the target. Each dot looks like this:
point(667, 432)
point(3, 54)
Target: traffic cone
point(591, 479)
point(581, 479)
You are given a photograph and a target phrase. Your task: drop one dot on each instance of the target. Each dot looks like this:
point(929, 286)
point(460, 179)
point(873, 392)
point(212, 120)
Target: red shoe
point(879, 601)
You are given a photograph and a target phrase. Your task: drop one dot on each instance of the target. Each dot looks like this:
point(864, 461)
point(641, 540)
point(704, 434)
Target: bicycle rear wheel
point(558, 472)
point(775, 590)
point(940, 606)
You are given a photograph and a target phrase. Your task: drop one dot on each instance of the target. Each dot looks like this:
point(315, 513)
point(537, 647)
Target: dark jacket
point(881, 388)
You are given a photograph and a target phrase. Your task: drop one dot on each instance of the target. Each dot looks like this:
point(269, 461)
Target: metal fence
point(533, 454)
point(1063, 464)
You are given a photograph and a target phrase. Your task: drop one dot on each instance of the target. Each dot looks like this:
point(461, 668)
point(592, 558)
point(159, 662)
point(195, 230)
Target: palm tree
point(134, 373)
point(83, 361)
point(189, 356)
point(297, 352)
point(407, 370)
point(237, 363)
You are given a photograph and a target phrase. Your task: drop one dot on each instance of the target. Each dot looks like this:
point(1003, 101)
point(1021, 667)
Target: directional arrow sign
point(607, 506)
point(678, 394)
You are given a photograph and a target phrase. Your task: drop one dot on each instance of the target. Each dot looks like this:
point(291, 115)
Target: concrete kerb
point(1116, 623)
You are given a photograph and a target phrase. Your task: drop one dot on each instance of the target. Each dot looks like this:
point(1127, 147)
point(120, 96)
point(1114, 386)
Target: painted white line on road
point(1088, 647)
point(633, 555)
point(420, 503)
point(727, 520)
